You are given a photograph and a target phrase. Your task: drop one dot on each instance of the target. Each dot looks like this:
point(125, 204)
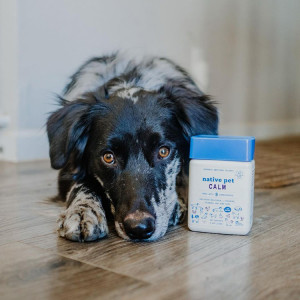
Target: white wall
point(250, 48)
point(253, 52)
point(8, 78)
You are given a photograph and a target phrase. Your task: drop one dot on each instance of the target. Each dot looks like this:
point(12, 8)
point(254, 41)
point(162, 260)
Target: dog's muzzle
point(139, 225)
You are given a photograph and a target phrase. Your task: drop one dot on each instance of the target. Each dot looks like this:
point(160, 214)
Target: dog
point(121, 142)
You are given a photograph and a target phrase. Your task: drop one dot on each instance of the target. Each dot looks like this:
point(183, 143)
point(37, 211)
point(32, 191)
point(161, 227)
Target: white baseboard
point(262, 130)
point(23, 145)
point(8, 146)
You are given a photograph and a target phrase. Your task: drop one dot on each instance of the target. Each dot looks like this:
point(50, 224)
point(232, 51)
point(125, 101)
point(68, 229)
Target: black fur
point(133, 127)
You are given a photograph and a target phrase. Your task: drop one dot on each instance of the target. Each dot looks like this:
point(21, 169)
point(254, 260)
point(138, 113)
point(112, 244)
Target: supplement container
point(221, 184)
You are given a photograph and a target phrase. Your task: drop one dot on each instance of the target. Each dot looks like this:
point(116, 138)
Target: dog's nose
point(139, 225)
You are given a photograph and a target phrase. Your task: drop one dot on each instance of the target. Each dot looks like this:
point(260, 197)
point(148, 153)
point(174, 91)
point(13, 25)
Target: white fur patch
point(128, 93)
point(112, 208)
point(168, 199)
point(99, 180)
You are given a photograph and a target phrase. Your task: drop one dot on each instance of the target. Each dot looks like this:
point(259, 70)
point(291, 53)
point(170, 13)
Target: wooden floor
point(36, 264)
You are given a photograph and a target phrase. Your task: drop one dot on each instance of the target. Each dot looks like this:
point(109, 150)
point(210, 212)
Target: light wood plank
point(27, 272)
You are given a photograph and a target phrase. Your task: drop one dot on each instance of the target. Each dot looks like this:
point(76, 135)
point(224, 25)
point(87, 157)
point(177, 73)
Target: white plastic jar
point(221, 184)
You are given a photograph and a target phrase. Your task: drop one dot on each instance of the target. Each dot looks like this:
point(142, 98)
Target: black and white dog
point(121, 140)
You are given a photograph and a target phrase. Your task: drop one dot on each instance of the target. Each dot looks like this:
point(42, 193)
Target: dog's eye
point(108, 158)
point(163, 152)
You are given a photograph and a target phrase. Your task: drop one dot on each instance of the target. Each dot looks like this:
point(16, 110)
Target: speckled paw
point(82, 223)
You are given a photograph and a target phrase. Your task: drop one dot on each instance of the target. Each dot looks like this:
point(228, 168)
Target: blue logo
point(227, 209)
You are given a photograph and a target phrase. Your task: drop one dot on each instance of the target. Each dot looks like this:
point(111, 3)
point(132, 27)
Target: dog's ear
point(68, 129)
point(195, 111)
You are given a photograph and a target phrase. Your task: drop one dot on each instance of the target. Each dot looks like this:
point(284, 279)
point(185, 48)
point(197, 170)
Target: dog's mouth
point(120, 230)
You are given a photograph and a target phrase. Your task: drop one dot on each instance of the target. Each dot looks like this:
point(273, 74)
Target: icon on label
point(238, 208)
point(227, 209)
point(239, 174)
point(219, 209)
point(204, 216)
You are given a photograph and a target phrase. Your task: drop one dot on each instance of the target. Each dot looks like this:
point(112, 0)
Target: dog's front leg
point(84, 219)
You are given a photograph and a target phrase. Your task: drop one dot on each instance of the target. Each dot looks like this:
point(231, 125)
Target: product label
point(220, 195)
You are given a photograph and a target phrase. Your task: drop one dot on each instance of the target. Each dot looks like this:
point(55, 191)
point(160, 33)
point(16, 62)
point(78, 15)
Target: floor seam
point(87, 263)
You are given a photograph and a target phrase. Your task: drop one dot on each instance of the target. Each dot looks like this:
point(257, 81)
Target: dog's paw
point(83, 223)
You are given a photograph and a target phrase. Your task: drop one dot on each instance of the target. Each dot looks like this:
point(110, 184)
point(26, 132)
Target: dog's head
point(134, 143)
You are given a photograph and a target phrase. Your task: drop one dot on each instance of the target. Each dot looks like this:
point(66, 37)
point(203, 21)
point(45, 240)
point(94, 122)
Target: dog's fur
point(130, 107)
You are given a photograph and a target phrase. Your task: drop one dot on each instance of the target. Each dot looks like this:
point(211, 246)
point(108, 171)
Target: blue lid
point(215, 147)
